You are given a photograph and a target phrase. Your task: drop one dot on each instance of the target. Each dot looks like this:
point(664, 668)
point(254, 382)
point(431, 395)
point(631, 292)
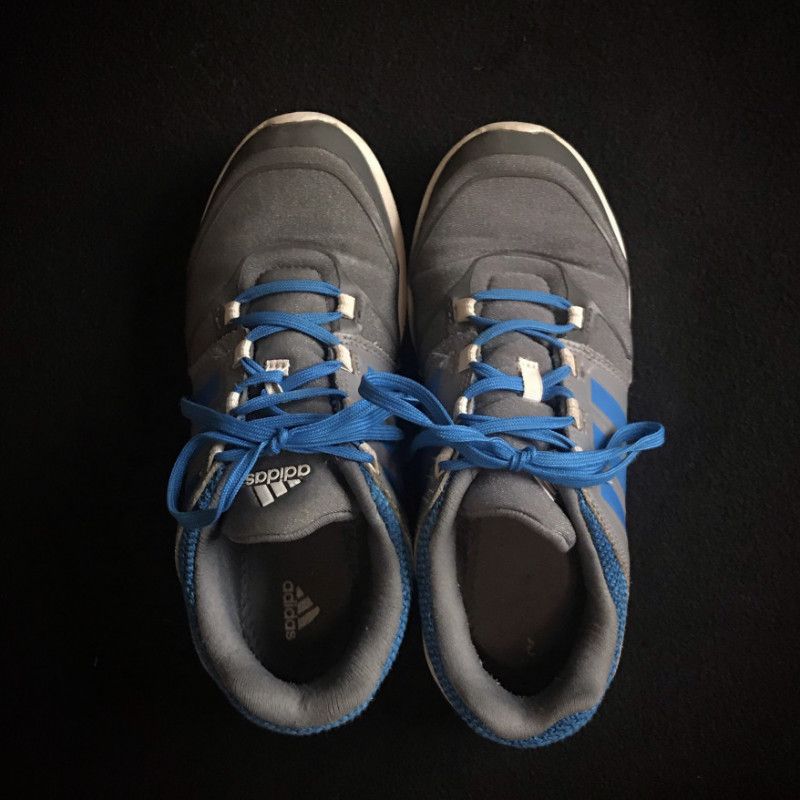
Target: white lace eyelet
point(470, 354)
point(341, 353)
point(464, 405)
point(212, 453)
point(463, 309)
point(373, 466)
point(445, 454)
point(347, 306)
point(243, 350)
point(232, 311)
point(232, 401)
point(575, 316)
point(568, 360)
point(574, 411)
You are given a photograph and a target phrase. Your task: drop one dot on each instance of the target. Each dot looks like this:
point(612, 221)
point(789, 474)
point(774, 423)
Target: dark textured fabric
point(117, 120)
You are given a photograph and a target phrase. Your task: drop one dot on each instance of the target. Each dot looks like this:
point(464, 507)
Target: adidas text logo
point(298, 609)
point(270, 484)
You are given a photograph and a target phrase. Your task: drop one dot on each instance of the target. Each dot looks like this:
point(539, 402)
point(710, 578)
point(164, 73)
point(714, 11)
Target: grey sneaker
point(522, 325)
point(291, 550)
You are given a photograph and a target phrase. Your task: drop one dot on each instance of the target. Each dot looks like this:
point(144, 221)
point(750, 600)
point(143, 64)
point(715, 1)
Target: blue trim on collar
point(186, 560)
point(617, 588)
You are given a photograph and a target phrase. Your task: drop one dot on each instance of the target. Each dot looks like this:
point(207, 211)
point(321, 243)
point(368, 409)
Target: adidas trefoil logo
point(269, 485)
point(298, 609)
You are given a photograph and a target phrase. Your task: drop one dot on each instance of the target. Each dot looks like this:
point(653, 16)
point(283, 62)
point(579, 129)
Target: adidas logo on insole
point(298, 609)
point(268, 485)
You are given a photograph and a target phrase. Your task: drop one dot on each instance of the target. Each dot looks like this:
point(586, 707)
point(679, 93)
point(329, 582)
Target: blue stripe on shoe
point(612, 498)
point(186, 563)
point(618, 590)
point(603, 399)
point(605, 402)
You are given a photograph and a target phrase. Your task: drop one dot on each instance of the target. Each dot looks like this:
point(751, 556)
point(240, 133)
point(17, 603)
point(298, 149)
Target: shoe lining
point(302, 603)
point(523, 598)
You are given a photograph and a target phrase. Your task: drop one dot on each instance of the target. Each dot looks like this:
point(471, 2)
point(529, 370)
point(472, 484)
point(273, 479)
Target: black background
point(116, 121)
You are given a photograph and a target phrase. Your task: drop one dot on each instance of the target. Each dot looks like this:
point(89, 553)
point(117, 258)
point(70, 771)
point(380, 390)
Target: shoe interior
point(523, 598)
point(302, 602)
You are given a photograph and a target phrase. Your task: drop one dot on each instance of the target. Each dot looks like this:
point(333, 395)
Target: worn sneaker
point(291, 550)
point(522, 325)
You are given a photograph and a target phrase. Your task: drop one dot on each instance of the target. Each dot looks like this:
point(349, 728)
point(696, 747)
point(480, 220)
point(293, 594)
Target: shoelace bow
point(246, 437)
point(475, 439)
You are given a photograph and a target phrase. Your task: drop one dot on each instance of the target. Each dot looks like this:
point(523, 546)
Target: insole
point(523, 599)
point(302, 601)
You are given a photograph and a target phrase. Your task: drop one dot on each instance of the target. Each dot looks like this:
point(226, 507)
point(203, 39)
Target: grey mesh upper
point(288, 203)
point(516, 209)
point(297, 200)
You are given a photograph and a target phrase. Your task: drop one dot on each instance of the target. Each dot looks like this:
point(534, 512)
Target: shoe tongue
point(505, 351)
point(515, 496)
point(287, 497)
point(301, 350)
point(511, 495)
point(290, 495)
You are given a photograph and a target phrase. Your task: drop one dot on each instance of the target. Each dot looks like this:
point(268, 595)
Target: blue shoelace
point(475, 438)
point(246, 437)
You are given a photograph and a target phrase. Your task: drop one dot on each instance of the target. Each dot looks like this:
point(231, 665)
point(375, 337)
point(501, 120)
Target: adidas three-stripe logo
point(298, 609)
point(269, 485)
point(613, 417)
point(269, 492)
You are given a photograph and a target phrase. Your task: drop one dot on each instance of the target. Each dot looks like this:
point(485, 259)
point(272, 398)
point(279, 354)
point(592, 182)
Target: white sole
point(525, 127)
point(377, 173)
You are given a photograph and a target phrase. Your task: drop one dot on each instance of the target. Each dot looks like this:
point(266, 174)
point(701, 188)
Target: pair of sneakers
point(292, 550)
